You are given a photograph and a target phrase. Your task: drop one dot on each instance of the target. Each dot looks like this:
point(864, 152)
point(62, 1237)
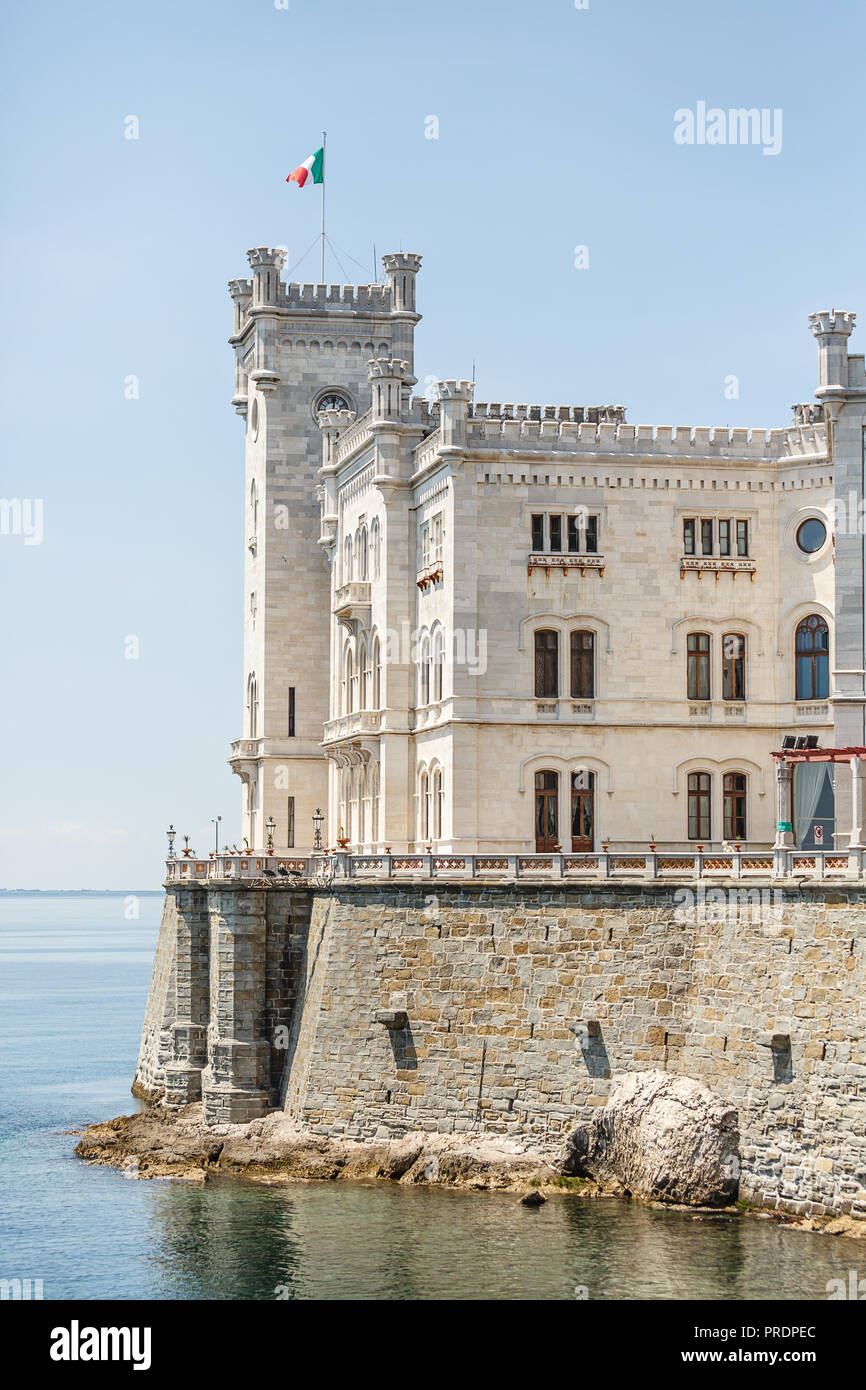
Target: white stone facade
point(511, 628)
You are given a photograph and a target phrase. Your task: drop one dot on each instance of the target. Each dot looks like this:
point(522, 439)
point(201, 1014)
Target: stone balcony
point(565, 561)
point(717, 565)
point(363, 721)
point(352, 602)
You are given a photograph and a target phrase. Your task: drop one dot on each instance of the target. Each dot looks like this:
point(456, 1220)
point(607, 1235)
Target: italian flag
point(315, 165)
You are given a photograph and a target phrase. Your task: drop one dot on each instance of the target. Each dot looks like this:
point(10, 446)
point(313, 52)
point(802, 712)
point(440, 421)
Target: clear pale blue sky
point(556, 129)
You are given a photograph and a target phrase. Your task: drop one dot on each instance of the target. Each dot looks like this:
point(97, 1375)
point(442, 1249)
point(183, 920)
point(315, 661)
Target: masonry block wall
point(512, 1010)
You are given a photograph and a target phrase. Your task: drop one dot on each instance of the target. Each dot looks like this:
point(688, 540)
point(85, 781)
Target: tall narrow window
point(437, 804)
point(591, 528)
point(291, 711)
point(546, 664)
point(555, 523)
point(706, 536)
point(377, 674)
point(698, 666)
point(546, 810)
point(582, 811)
point(376, 547)
point(361, 551)
point(724, 537)
point(374, 803)
point(699, 805)
point(362, 673)
point(573, 534)
point(349, 682)
point(438, 663)
point(583, 666)
point(290, 824)
point(347, 560)
point(425, 670)
point(813, 659)
point(689, 536)
point(538, 532)
point(733, 666)
point(423, 806)
point(252, 707)
point(742, 538)
point(734, 813)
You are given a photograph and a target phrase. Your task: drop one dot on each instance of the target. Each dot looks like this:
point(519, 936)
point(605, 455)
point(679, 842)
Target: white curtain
point(808, 785)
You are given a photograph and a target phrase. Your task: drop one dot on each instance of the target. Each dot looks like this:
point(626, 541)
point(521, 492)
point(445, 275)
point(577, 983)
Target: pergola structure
point(785, 759)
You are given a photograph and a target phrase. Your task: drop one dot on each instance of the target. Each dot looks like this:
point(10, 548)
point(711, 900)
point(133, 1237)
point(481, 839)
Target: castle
point(473, 628)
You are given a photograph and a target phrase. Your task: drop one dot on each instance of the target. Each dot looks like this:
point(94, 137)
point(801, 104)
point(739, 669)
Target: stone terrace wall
point(504, 987)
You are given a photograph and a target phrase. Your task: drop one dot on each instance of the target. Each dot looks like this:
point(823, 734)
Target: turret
point(388, 378)
point(266, 264)
point(401, 267)
point(832, 328)
point(454, 398)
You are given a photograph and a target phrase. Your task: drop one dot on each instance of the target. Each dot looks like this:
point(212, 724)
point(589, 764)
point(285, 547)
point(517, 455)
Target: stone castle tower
point(298, 349)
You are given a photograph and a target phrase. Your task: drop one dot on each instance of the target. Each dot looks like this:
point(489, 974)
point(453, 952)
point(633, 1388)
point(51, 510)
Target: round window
point(811, 535)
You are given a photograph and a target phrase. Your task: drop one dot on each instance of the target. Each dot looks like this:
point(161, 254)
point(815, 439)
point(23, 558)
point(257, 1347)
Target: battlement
point(593, 413)
point(518, 431)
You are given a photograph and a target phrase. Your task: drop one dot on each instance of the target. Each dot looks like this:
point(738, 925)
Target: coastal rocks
point(156, 1143)
point(660, 1137)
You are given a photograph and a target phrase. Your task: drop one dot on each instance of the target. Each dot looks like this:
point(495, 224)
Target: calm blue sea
point(74, 973)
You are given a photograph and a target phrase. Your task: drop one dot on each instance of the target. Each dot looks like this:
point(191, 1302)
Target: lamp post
point(215, 822)
point(171, 832)
point(270, 827)
point(318, 822)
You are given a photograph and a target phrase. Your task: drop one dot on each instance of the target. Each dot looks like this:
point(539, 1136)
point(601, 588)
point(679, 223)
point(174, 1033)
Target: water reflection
point(369, 1241)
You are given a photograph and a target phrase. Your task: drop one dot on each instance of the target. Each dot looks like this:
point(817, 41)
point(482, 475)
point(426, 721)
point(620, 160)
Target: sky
point(493, 138)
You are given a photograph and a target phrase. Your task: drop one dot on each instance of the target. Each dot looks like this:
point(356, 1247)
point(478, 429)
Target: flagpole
point(324, 141)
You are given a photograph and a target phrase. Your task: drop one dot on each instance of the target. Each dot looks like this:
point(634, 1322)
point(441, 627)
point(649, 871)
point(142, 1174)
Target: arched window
point(438, 663)
point(362, 673)
point(734, 668)
point(252, 706)
point(423, 806)
point(546, 810)
point(347, 560)
point(424, 672)
point(583, 666)
point(374, 803)
point(813, 659)
point(361, 552)
point(698, 667)
point(437, 803)
point(546, 664)
point(699, 805)
point(344, 802)
point(377, 674)
point(254, 509)
point(734, 805)
point(376, 547)
point(349, 682)
point(352, 825)
point(362, 805)
point(252, 803)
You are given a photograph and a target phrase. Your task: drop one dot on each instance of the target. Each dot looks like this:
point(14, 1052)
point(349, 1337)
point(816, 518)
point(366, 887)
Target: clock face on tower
point(332, 400)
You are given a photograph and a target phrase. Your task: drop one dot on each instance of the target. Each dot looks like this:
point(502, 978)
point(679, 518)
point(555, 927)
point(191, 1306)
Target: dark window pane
point(573, 534)
point(582, 665)
point(538, 533)
point(698, 666)
point(591, 535)
point(706, 537)
point(689, 536)
point(555, 523)
point(733, 666)
point(546, 665)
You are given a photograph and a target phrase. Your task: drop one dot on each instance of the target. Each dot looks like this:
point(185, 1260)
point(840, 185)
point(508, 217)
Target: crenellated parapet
point(593, 414)
point(676, 441)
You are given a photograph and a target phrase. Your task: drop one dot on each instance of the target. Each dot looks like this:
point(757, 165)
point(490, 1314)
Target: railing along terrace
point(263, 868)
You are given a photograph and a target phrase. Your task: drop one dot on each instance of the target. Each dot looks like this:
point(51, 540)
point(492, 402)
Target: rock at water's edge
point(662, 1137)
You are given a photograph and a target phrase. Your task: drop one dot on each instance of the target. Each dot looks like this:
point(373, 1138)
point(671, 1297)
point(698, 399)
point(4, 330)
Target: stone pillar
point(236, 1081)
point(856, 840)
point(187, 1045)
point(784, 805)
point(454, 400)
